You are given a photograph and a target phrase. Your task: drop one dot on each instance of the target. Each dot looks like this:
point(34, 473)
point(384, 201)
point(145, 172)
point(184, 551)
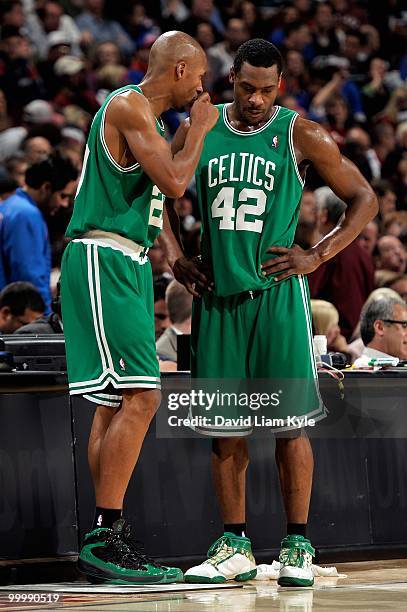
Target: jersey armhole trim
point(292, 150)
point(103, 140)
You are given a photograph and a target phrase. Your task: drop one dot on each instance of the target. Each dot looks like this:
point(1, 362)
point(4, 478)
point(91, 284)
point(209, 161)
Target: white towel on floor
point(270, 572)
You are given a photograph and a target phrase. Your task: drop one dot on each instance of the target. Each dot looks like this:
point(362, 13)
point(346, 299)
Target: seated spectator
point(179, 304)
point(307, 233)
point(350, 272)
point(398, 282)
point(16, 167)
point(159, 264)
point(19, 78)
point(37, 115)
point(296, 78)
point(106, 54)
point(383, 328)
point(297, 37)
point(338, 120)
point(390, 255)
point(352, 46)
point(325, 38)
point(337, 101)
point(48, 19)
point(25, 251)
point(35, 149)
point(250, 14)
point(96, 28)
point(161, 316)
point(394, 223)
point(205, 35)
point(395, 110)
point(73, 87)
point(279, 22)
point(20, 304)
point(12, 13)
point(357, 148)
point(137, 23)
point(202, 10)
point(45, 325)
point(367, 238)
point(325, 322)
point(184, 208)
point(170, 13)
point(222, 55)
point(356, 346)
point(58, 45)
point(386, 197)
point(384, 141)
point(376, 93)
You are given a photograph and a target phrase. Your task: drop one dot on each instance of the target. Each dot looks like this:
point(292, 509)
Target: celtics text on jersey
point(249, 191)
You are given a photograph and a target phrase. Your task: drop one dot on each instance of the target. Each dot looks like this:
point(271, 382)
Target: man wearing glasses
point(383, 328)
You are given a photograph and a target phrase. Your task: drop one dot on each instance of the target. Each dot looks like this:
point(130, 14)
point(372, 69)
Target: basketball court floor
point(363, 586)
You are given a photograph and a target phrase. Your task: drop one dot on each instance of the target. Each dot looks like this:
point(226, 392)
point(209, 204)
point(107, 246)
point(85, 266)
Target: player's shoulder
point(129, 104)
point(311, 137)
point(308, 127)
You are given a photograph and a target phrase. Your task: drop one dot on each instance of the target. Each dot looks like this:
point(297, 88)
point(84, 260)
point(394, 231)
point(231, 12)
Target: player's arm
point(133, 118)
point(312, 142)
point(186, 270)
point(170, 236)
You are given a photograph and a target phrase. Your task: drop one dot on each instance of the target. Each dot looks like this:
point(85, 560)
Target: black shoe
point(109, 555)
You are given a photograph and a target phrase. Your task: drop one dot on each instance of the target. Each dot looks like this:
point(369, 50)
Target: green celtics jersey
point(111, 198)
point(249, 191)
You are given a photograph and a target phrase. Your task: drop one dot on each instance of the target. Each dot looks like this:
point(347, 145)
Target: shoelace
point(219, 549)
point(292, 556)
point(131, 549)
point(128, 558)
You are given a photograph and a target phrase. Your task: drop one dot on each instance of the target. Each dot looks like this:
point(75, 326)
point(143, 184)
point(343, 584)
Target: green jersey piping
point(252, 133)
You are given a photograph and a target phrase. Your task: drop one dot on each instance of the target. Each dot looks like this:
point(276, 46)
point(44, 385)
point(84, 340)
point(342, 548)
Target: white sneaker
point(229, 558)
point(296, 562)
point(296, 601)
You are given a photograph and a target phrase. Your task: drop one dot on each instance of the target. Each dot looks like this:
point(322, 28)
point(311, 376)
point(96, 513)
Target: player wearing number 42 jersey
point(256, 322)
point(106, 285)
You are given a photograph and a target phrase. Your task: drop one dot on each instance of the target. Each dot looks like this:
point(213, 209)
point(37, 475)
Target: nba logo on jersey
point(122, 364)
point(274, 142)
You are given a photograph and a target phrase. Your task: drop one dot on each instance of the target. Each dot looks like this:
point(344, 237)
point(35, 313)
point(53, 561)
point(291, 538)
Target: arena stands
point(345, 67)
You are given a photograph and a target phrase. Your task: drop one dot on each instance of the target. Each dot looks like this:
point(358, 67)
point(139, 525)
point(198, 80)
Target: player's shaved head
point(178, 63)
point(173, 47)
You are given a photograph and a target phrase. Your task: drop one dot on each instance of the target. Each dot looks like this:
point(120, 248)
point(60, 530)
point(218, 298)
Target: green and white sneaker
point(229, 558)
point(109, 555)
point(296, 562)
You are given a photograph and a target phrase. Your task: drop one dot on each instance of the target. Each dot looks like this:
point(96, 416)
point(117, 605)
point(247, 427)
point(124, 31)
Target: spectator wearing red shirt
point(347, 279)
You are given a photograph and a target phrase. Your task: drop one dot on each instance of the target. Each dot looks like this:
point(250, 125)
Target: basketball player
point(107, 294)
point(256, 322)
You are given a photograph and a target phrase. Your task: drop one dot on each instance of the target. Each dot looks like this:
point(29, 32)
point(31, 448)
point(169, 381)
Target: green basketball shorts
point(108, 317)
point(263, 335)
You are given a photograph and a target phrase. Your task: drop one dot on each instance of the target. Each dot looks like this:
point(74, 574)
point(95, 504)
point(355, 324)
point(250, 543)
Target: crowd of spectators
point(345, 67)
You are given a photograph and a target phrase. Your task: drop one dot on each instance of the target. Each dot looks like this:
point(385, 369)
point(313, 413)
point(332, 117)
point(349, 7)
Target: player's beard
point(252, 120)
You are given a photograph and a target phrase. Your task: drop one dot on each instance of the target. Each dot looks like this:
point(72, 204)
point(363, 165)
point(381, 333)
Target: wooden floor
point(369, 586)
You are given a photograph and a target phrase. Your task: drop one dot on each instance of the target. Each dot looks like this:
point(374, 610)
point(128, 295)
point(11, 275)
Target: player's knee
point(141, 404)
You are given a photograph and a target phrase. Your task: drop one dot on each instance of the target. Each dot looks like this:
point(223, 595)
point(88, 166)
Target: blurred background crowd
point(345, 67)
